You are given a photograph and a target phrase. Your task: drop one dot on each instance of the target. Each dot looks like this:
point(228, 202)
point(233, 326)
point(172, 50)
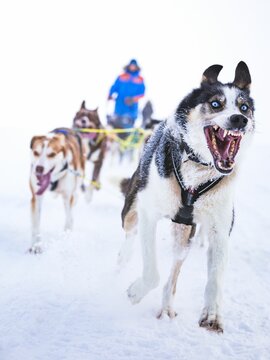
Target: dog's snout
point(238, 121)
point(83, 121)
point(39, 169)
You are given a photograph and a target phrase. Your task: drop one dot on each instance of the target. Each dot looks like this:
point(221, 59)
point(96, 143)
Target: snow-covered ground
point(70, 303)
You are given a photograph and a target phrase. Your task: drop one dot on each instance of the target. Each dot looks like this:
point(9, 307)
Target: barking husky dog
point(57, 160)
point(95, 143)
point(187, 173)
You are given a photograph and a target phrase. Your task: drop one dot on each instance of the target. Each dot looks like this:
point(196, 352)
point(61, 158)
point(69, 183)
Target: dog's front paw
point(35, 249)
point(211, 321)
point(166, 311)
point(137, 291)
point(140, 288)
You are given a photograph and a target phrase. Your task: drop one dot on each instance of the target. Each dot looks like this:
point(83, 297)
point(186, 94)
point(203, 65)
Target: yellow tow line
point(112, 131)
point(127, 143)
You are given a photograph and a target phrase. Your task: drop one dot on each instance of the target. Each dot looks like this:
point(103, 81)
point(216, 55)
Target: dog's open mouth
point(86, 134)
point(89, 135)
point(43, 182)
point(224, 145)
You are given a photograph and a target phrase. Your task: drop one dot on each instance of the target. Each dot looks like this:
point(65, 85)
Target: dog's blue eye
point(244, 108)
point(215, 104)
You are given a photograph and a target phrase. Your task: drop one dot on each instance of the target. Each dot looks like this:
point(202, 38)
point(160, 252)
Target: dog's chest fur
point(158, 184)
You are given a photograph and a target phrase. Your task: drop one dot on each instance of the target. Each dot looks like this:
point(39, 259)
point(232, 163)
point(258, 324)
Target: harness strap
point(61, 131)
point(189, 196)
point(190, 153)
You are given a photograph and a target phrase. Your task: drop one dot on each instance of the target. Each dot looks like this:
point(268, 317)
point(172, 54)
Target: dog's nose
point(83, 121)
point(238, 121)
point(39, 170)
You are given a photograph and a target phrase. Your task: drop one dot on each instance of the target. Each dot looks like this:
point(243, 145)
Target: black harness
point(189, 196)
point(190, 153)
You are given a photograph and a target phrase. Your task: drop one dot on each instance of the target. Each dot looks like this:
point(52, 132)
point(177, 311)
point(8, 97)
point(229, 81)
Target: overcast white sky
point(56, 53)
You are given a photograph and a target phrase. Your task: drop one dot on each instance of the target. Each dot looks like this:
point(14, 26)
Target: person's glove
point(129, 101)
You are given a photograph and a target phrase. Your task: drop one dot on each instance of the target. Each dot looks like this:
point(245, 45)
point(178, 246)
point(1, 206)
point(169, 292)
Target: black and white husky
point(187, 173)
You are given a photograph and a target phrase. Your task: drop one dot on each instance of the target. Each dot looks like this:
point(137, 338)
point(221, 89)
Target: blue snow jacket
point(129, 85)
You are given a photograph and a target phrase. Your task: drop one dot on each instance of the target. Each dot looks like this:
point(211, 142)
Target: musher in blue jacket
point(126, 91)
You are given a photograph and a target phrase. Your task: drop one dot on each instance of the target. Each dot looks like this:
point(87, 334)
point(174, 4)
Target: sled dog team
point(187, 173)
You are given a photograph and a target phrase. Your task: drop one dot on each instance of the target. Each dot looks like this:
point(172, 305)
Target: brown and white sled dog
point(57, 164)
point(187, 173)
point(95, 144)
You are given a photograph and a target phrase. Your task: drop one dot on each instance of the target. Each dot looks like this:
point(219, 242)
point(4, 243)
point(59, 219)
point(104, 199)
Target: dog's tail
point(124, 185)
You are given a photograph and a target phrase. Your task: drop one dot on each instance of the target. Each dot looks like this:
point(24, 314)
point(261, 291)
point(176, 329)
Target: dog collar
point(189, 196)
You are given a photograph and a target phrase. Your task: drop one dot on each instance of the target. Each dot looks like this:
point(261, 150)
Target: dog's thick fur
point(57, 164)
point(95, 143)
point(202, 140)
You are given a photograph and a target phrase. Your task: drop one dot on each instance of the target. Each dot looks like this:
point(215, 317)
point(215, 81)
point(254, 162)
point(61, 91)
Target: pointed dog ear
point(96, 110)
point(242, 76)
point(34, 139)
point(83, 105)
point(211, 74)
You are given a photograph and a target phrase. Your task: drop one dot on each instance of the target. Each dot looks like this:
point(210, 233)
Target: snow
point(70, 302)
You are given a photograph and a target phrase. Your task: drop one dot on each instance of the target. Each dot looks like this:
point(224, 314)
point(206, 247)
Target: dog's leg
point(125, 252)
point(36, 202)
point(130, 226)
point(217, 256)
point(95, 184)
point(201, 236)
point(150, 276)
point(89, 193)
point(68, 203)
point(182, 235)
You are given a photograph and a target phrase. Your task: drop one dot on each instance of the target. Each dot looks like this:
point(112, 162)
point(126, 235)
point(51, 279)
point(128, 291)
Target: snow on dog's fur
point(200, 147)
point(57, 164)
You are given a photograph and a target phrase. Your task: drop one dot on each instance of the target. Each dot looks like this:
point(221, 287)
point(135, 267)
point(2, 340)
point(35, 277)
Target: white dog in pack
point(187, 173)
point(57, 160)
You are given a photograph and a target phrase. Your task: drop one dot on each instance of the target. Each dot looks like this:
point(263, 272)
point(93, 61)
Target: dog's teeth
point(236, 133)
point(225, 133)
point(231, 165)
point(215, 127)
point(232, 149)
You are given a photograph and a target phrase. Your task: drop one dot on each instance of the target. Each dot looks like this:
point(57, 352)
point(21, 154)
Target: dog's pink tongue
point(90, 136)
point(43, 182)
